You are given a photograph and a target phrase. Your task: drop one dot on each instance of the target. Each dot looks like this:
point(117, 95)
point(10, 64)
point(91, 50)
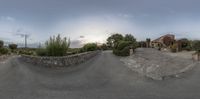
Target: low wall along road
point(64, 61)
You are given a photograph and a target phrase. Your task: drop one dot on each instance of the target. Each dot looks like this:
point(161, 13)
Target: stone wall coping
point(61, 61)
point(67, 56)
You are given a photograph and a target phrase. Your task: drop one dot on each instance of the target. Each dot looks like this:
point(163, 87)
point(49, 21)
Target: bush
point(81, 50)
point(104, 47)
point(4, 51)
point(174, 48)
point(188, 48)
point(90, 47)
point(1, 43)
point(123, 52)
point(41, 52)
point(26, 52)
point(56, 46)
point(196, 46)
point(13, 46)
point(123, 44)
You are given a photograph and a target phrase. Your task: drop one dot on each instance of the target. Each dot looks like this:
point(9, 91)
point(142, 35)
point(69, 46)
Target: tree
point(131, 39)
point(114, 39)
point(121, 45)
point(13, 46)
point(90, 47)
point(1, 43)
point(104, 47)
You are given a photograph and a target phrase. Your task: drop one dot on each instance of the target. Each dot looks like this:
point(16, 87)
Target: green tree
point(114, 39)
point(129, 37)
point(132, 41)
point(90, 47)
point(13, 46)
point(104, 47)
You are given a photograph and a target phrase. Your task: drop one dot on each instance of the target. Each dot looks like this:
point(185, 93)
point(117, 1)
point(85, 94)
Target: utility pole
point(25, 36)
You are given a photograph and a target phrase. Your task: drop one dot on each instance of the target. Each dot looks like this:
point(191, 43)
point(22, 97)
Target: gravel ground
point(102, 77)
point(157, 64)
point(4, 58)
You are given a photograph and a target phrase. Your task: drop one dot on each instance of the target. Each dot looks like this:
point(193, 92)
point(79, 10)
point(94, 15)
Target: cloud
point(76, 44)
point(125, 15)
point(7, 18)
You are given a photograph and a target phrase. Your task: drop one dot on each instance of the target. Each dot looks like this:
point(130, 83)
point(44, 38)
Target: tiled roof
point(157, 40)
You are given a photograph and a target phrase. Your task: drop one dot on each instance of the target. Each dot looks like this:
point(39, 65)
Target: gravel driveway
point(157, 64)
point(103, 77)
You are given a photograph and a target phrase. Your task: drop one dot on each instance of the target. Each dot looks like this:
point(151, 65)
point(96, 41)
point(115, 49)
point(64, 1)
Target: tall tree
point(113, 40)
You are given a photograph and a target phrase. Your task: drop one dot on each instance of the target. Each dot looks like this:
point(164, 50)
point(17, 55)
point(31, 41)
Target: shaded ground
point(103, 77)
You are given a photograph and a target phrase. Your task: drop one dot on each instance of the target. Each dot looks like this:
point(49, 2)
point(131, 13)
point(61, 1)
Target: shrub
point(13, 46)
point(41, 52)
point(4, 50)
point(104, 47)
point(123, 44)
point(174, 48)
point(81, 50)
point(123, 52)
point(56, 46)
point(196, 46)
point(1, 43)
point(26, 52)
point(90, 47)
point(188, 48)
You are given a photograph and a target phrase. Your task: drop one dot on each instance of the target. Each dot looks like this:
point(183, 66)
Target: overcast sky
point(94, 20)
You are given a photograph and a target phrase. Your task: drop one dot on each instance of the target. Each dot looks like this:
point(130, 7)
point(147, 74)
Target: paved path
point(103, 77)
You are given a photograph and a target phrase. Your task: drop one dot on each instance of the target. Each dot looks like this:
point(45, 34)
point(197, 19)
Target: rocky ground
point(157, 64)
point(3, 58)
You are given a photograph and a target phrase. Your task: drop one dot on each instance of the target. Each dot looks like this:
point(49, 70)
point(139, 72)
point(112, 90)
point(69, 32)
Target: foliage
point(174, 48)
point(123, 44)
point(13, 46)
point(81, 50)
point(114, 39)
point(1, 43)
point(90, 47)
point(56, 46)
point(4, 51)
point(196, 45)
point(104, 47)
point(41, 52)
point(123, 52)
point(26, 52)
point(129, 37)
point(141, 44)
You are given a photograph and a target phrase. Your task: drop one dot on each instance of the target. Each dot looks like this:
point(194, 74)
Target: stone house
point(163, 41)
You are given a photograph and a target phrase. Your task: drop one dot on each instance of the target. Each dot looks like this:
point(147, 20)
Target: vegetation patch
point(121, 45)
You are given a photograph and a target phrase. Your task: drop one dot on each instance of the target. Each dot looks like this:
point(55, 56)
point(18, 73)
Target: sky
point(86, 21)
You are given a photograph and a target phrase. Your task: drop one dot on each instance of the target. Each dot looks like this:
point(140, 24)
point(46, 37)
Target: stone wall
point(64, 61)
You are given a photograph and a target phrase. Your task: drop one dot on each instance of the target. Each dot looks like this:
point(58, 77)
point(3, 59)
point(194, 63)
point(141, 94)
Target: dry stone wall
point(64, 61)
